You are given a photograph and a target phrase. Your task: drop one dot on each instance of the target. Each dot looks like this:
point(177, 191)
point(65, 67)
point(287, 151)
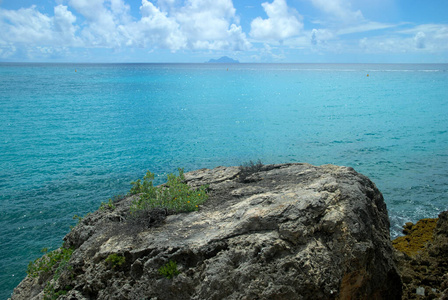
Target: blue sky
point(278, 31)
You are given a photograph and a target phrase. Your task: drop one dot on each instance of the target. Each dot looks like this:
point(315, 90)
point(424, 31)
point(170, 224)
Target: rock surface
point(290, 231)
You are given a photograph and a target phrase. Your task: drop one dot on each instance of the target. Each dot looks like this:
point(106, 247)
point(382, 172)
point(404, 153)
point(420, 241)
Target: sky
point(194, 31)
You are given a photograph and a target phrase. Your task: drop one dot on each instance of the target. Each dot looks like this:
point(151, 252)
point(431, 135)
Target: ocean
point(74, 135)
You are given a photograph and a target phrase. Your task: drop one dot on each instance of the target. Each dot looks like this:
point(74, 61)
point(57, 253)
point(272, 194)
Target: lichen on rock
point(422, 258)
point(416, 238)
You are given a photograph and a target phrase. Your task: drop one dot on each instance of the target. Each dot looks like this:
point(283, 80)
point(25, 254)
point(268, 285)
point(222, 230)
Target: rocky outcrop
point(290, 231)
point(423, 258)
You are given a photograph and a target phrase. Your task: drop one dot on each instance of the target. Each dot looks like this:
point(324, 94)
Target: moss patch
point(417, 236)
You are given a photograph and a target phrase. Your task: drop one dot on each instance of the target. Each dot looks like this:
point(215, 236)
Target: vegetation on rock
point(52, 263)
point(115, 260)
point(169, 270)
point(249, 169)
point(49, 261)
point(108, 205)
point(174, 196)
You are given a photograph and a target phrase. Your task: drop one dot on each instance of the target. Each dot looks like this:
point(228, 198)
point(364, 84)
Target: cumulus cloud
point(165, 24)
point(63, 24)
point(29, 26)
point(154, 29)
point(203, 25)
point(282, 22)
point(101, 28)
point(24, 26)
point(210, 24)
point(198, 24)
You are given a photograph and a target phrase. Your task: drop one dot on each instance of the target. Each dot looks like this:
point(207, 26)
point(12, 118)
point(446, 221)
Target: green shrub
point(46, 263)
point(51, 294)
point(169, 270)
point(114, 260)
point(175, 196)
point(107, 205)
point(52, 262)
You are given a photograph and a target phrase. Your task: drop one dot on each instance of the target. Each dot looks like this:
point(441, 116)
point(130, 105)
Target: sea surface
point(74, 135)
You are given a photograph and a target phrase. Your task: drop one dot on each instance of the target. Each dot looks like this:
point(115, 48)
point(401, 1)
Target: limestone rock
point(293, 231)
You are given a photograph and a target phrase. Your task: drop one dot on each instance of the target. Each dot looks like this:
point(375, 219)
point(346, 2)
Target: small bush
point(46, 263)
point(51, 294)
point(169, 270)
point(114, 260)
point(175, 196)
point(248, 169)
point(107, 205)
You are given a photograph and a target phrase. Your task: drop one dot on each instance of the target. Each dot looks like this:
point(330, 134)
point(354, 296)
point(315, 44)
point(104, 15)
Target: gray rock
point(294, 231)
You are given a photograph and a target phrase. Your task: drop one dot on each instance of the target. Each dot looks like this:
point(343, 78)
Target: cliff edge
point(289, 231)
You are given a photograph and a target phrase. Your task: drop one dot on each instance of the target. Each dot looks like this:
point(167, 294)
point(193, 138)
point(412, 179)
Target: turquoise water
point(73, 135)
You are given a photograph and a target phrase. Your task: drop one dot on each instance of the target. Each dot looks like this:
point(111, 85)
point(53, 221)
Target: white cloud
point(430, 38)
point(438, 31)
point(101, 28)
point(282, 22)
point(7, 50)
point(199, 24)
point(321, 36)
point(339, 10)
point(210, 24)
point(419, 39)
point(120, 10)
point(30, 27)
point(24, 26)
point(268, 53)
point(63, 24)
point(342, 19)
point(92, 10)
point(364, 27)
point(154, 29)
point(316, 39)
point(238, 40)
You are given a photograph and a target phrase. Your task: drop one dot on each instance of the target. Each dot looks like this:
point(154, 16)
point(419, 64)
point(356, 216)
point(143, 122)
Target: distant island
point(224, 59)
